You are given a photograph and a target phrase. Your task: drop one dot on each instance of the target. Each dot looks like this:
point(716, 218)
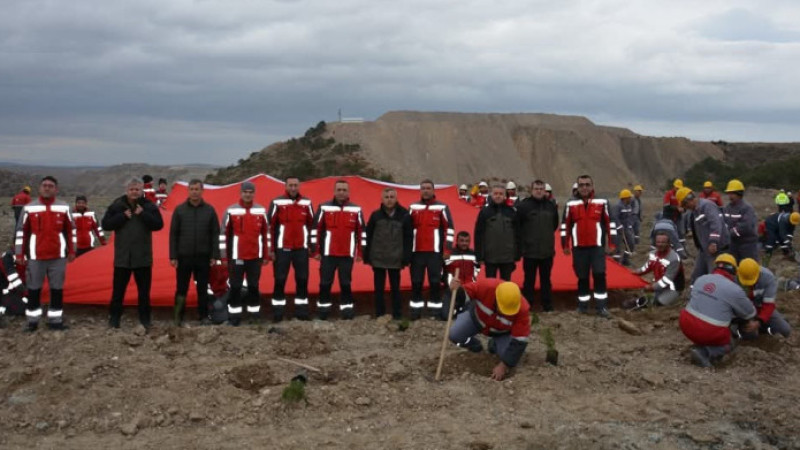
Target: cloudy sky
point(169, 81)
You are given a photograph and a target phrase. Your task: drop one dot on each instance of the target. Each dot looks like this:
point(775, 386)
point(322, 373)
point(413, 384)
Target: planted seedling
point(295, 392)
point(550, 343)
point(403, 324)
point(534, 318)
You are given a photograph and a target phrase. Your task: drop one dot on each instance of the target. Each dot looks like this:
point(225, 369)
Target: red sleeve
point(521, 328)
point(265, 236)
point(765, 312)
point(70, 234)
point(361, 235)
point(668, 197)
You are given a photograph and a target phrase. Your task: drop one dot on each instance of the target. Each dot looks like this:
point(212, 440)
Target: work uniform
point(291, 220)
point(509, 333)
point(18, 202)
point(707, 228)
point(161, 196)
point(763, 295)
point(780, 233)
point(623, 216)
point(636, 207)
point(12, 301)
point(713, 196)
point(338, 236)
point(149, 192)
point(245, 243)
point(87, 228)
point(671, 229)
point(389, 241)
point(537, 223)
point(714, 302)
point(433, 240)
point(586, 228)
point(741, 220)
point(668, 275)
point(496, 240)
point(45, 236)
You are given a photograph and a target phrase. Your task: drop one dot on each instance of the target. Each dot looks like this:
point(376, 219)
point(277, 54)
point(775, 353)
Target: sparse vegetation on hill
point(773, 166)
point(311, 156)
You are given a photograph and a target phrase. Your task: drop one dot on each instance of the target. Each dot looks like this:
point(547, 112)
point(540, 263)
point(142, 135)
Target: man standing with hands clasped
point(193, 249)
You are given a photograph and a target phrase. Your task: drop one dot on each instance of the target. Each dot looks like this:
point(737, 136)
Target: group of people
point(421, 236)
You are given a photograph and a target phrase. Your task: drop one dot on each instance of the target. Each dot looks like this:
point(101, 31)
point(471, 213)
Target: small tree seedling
point(403, 324)
point(550, 343)
point(294, 392)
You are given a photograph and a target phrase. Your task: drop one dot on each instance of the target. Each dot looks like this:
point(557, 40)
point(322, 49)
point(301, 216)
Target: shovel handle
point(447, 329)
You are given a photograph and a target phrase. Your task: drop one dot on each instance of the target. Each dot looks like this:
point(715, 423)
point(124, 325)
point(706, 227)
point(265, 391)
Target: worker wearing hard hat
point(784, 202)
point(708, 230)
point(761, 287)
point(715, 301)
point(622, 216)
point(549, 193)
point(495, 308)
point(511, 194)
point(741, 220)
point(463, 193)
point(479, 194)
point(670, 196)
point(637, 211)
point(22, 198)
point(780, 232)
point(709, 193)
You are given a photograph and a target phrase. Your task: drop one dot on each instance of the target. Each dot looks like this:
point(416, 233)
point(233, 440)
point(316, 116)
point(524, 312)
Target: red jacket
point(465, 261)
point(479, 200)
point(161, 196)
point(433, 225)
point(670, 198)
point(46, 231)
point(86, 228)
point(713, 196)
point(149, 192)
point(338, 230)
point(587, 223)
point(291, 221)
point(21, 199)
point(245, 233)
point(493, 323)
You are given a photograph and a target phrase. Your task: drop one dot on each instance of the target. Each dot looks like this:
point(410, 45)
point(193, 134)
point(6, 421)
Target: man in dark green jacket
point(390, 237)
point(193, 249)
point(496, 236)
point(537, 222)
point(133, 219)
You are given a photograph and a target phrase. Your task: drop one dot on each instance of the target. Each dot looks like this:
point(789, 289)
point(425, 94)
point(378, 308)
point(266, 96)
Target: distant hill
point(93, 181)
point(762, 164)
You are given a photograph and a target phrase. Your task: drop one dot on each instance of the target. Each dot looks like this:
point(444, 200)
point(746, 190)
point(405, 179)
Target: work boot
point(700, 357)
point(57, 326)
point(583, 308)
point(348, 314)
point(113, 322)
point(234, 322)
point(180, 305)
point(277, 316)
point(322, 315)
point(602, 311)
point(415, 313)
point(472, 344)
point(635, 303)
point(32, 327)
point(301, 312)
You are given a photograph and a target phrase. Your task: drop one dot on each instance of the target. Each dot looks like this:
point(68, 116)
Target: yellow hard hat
point(678, 183)
point(708, 184)
point(638, 187)
point(794, 218)
point(508, 298)
point(682, 193)
point(735, 186)
point(748, 272)
point(726, 258)
point(625, 194)
point(26, 189)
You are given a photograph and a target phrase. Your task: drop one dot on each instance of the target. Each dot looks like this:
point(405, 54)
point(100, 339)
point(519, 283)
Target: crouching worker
point(761, 287)
point(497, 309)
point(668, 279)
point(715, 301)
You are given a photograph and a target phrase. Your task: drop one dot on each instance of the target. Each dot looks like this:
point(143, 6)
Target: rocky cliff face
point(462, 148)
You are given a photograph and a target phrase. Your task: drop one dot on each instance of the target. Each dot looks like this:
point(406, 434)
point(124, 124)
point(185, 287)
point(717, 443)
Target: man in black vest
point(496, 236)
point(537, 222)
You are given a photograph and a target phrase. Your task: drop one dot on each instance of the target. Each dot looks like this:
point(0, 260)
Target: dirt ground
point(220, 387)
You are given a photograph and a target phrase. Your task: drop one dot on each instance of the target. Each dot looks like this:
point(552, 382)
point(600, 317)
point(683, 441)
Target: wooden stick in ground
point(299, 364)
point(447, 329)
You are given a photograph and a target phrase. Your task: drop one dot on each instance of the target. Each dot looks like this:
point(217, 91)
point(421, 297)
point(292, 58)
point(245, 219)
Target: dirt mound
point(456, 148)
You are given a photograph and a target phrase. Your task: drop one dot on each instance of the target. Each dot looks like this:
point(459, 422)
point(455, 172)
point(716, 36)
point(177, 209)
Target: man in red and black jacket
point(161, 192)
point(291, 217)
point(86, 226)
point(245, 246)
point(337, 238)
point(433, 239)
point(585, 229)
point(22, 198)
point(148, 191)
point(45, 241)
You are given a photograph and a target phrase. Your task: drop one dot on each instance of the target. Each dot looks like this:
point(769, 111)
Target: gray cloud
point(212, 81)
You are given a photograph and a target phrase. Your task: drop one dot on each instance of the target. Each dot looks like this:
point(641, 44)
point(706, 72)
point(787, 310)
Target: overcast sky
point(102, 82)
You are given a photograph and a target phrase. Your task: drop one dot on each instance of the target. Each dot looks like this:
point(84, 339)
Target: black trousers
point(505, 269)
point(237, 271)
point(432, 263)
point(327, 270)
point(83, 251)
point(143, 277)
point(284, 259)
point(544, 267)
point(586, 261)
point(199, 268)
point(380, 286)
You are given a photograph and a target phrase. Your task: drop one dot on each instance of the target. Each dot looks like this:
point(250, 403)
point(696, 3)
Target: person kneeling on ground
point(496, 309)
point(668, 279)
point(761, 287)
point(715, 301)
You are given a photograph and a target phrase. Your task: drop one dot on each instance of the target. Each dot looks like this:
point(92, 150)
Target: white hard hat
point(574, 185)
point(483, 183)
point(548, 188)
point(463, 187)
point(511, 185)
